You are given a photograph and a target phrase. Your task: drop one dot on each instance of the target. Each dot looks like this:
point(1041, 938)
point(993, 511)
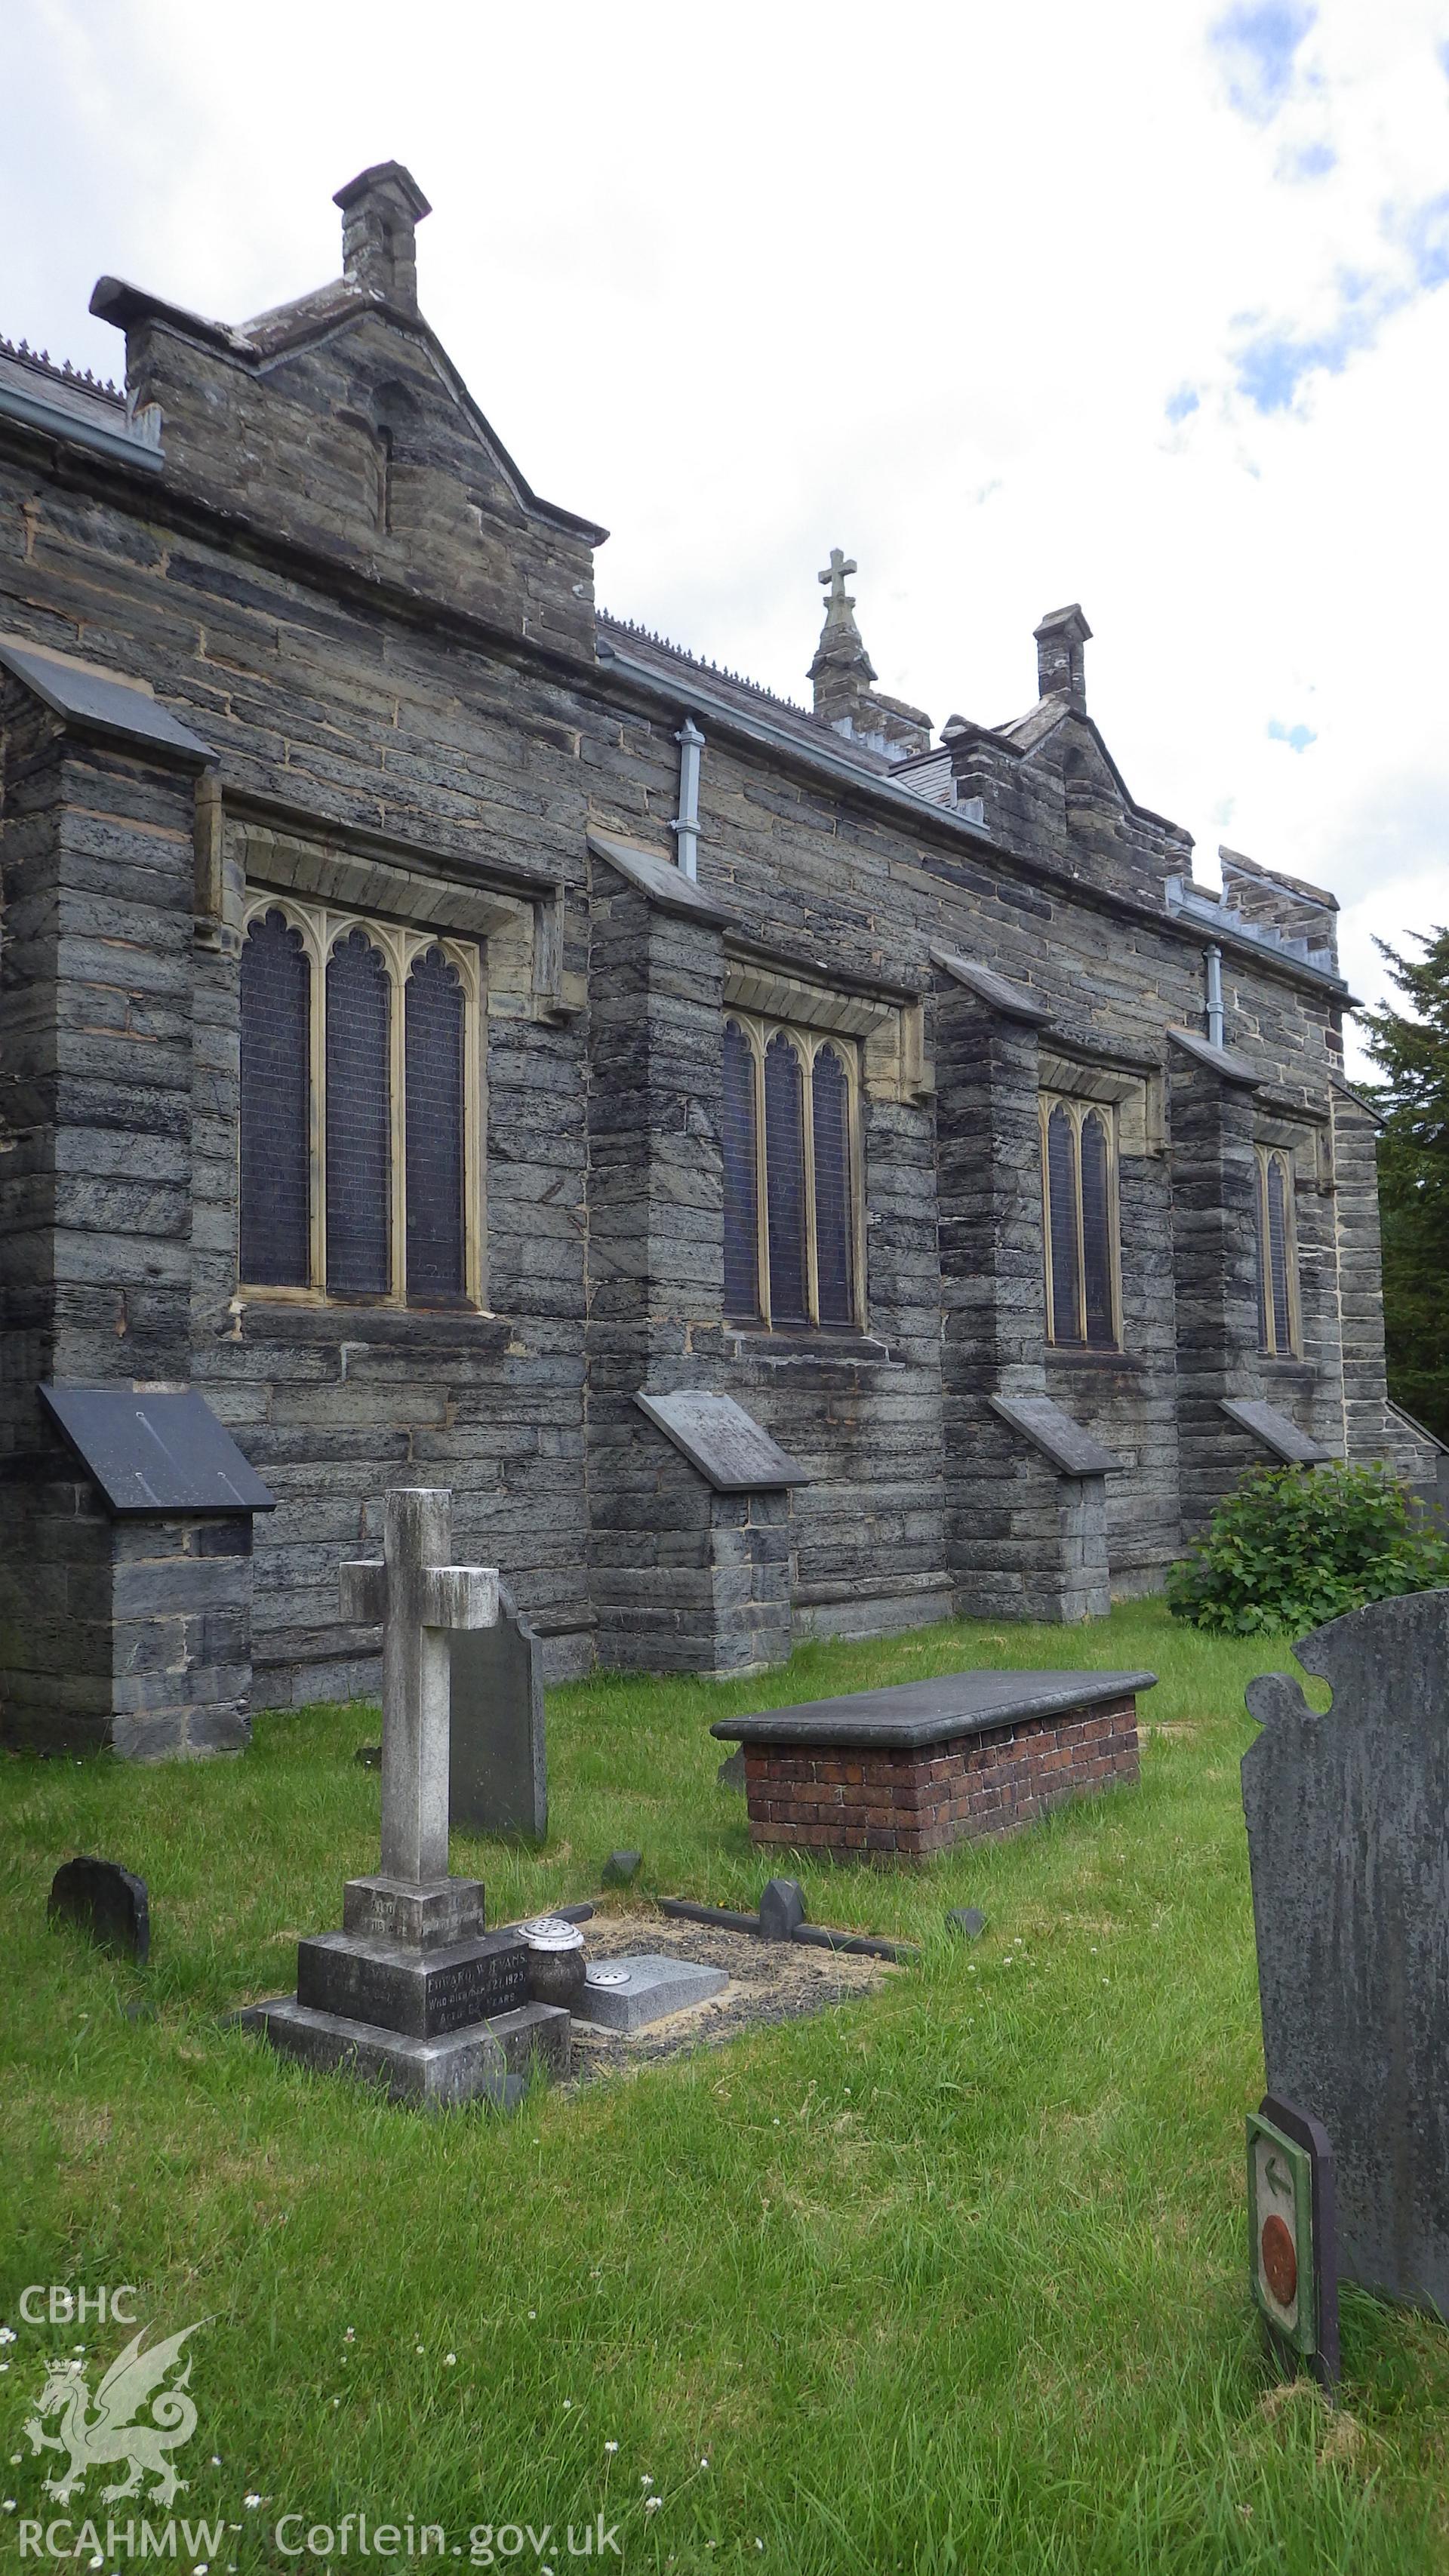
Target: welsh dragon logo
point(111, 2434)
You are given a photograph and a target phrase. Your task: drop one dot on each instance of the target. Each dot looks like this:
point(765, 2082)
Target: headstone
point(413, 1992)
point(967, 1920)
point(497, 1768)
point(104, 1901)
point(1348, 1837)
point(731, 1772)
point(782, 1909)
point(1292, 2246)
point(621, 1868)
point(629, 1994)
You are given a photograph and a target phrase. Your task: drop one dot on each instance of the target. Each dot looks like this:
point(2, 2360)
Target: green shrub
point(1294, 1546)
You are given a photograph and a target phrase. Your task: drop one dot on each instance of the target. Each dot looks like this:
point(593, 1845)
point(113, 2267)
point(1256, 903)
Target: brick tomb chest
point(904, 1773)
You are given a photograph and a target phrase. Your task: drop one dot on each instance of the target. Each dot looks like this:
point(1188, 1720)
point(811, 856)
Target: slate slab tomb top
point(906, 1772)
point(931, 1712)
point(816, 1168)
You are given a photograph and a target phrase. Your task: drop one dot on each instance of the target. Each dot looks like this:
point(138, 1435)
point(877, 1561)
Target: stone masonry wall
point(429, 688)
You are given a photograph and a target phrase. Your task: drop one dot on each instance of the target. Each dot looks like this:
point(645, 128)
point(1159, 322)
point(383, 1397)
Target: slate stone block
point(782, 1909)
point(463, 2066)
point(967, 1920)
point(106, 1902)
point(422, 1993)
point(535, 2035)
point(430, 1914)
point(629, 1993)
point(497, 1763)
point(622, 1868)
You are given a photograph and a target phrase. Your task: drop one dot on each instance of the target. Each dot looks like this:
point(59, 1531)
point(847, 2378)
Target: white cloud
point(970, 293)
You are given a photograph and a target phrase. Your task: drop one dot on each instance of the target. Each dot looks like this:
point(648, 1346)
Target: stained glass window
point(1079, 1165)
point(741, 1195)
point(1277, 1255)
point(276, 1009)
point(435, 1114)
point(360, 1130)
point(359, 1120)
point(789, 1144)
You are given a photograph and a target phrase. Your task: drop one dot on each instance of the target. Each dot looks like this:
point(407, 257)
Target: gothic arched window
point(741, 1192)
point(1277, 1255)
point(359, 1120)
point(1079, 1168)
point(1096, 1185)
point(834, 1219)
point(275, 1178)
point(361, 1108)
point(785, 1181)
point(790, 1150)
point(436, 1114)
point(1064, 1268)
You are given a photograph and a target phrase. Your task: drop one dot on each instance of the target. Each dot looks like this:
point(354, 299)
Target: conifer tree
point(1411, 1051)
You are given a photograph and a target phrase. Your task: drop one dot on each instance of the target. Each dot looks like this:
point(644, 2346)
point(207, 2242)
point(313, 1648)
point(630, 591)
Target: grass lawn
point(952, 2278)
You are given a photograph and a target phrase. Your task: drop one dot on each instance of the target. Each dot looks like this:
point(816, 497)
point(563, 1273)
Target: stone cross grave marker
point(1348, 1838)
point(413, 1992)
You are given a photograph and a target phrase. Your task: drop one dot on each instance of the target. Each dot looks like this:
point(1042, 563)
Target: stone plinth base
point(489, 2062)
point(416, 1996)
point(424, 1993)
point(427, 1915)
point(902, 1774)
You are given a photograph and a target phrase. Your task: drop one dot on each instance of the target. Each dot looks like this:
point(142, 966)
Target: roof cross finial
point(835, 580)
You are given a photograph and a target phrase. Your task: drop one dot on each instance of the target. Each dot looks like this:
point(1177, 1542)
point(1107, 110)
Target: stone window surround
point(1079, 1108)
point(321, 929)
point(890, 1027)
point(808, 1043)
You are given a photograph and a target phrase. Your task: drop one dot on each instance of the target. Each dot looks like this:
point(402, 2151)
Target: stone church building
point(435, 1016)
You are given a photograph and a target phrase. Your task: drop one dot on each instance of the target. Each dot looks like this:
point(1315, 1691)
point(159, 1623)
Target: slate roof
point(72, 403)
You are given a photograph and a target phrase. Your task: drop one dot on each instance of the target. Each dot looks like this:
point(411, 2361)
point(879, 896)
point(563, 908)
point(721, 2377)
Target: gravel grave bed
point(769, 1981)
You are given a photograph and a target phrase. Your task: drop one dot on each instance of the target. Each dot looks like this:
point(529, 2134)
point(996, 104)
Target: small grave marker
point(1292, 2251)
point(622, 1868)
point(104, 1901)
point(782, 1909)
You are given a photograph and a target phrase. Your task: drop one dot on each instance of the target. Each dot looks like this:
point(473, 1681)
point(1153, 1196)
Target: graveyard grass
point(950, 2279)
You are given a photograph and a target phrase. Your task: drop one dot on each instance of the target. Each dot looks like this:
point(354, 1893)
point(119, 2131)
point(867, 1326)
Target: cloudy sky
point(1137, 304)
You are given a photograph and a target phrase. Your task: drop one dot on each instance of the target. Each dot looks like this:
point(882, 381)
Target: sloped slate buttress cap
point(120, 709)
point(1011, 1001)
point(732, 1451)
point(1070, 1449)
